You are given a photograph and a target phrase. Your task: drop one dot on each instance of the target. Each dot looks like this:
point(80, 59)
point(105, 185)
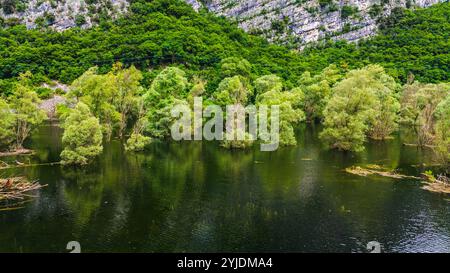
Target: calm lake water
point(198, 197)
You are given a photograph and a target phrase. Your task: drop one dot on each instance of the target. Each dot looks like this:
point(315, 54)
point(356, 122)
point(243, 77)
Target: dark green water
point(198, 197)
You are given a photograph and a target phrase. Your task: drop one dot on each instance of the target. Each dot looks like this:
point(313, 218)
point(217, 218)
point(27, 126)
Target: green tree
point(167, 90)
point(418, 105)
point(350, 110)
point(234, 143)
point(82, 138)
point(387, 112)
point(268, 83)
point(127, 83)
point(317, 91)
point(25, 103)
point(171, 81)
point(99, 92)
point(442, 137)
point(234, 66)
point(137, 141)
point(7, 122)
point(233, 90)
point(290, 114)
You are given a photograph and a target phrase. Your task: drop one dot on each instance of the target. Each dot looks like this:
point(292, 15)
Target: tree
point(137, 141)
point(442, 139)
point(235, 143)
point(82, 138)
point(317, 91)
point(25, 103)
point(167, 90)
point(290, 112)
point(418, 105)
point(99, 93)
point(234, 66)
point(351, 108)
point(128, 88)
point(7, 121)
point(268, 83)
point(388, 107)
point(171, 81)
point(232, 90)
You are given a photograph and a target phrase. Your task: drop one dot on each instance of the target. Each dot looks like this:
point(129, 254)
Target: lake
point(199, 197)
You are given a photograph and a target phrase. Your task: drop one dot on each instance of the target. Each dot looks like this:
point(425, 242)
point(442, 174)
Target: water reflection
point(199, 197)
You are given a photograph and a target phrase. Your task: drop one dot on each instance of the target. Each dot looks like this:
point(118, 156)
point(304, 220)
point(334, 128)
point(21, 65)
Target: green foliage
point(98, 93)
point(82, 138)
point(111, 97)
point(325, 3)
point(80, 20)
point(409, 41)
point(7, 122)
point(355, 107)
point(317, 91)
point(233, 90)
point(171, 81)
point(127, 83)
point(247, 142)
point(137, 142)
point(348, 11)
point(442, 139)
point(167, 90)
point(169, 32)
point(291, 113)
point(268, 83)
point(44, 92)
point(418, 105)
point(25, 103)
point(375, 10)
point(385, 120)
point(234, 66)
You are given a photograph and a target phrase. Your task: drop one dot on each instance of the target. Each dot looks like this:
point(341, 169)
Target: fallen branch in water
point(440, 184)
point(17, 152)
point(23, 165)
point(17, 188)
point(376, 170)
point(417, 145)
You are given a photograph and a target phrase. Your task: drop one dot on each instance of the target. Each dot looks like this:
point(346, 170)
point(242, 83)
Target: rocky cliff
point(296, 22)
point(305, 21)
point(59, 14)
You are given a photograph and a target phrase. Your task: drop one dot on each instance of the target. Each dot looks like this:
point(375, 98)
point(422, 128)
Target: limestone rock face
point(296, 22)
point(305, 21)
point(59, 14)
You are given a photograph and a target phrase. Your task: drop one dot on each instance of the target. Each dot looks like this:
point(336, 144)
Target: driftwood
point(24, 165)
point(418, 145)
point(17, 188)
point(17, 152)
point(440, 184)
point(376, 170)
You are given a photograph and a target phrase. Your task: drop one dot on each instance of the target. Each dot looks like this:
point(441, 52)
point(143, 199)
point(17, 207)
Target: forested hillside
point(165, 32)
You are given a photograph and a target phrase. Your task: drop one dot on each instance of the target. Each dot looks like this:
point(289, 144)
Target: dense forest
point(126, 75)
point(158, 33)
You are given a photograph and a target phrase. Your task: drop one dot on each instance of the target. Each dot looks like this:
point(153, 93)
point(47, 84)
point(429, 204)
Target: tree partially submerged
point(25, 104)
point(442, 140)
point(290, 113)
point(418, 107)
point(7, 121)
point(82, 138)
point(360, 106)
point(168, 89)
